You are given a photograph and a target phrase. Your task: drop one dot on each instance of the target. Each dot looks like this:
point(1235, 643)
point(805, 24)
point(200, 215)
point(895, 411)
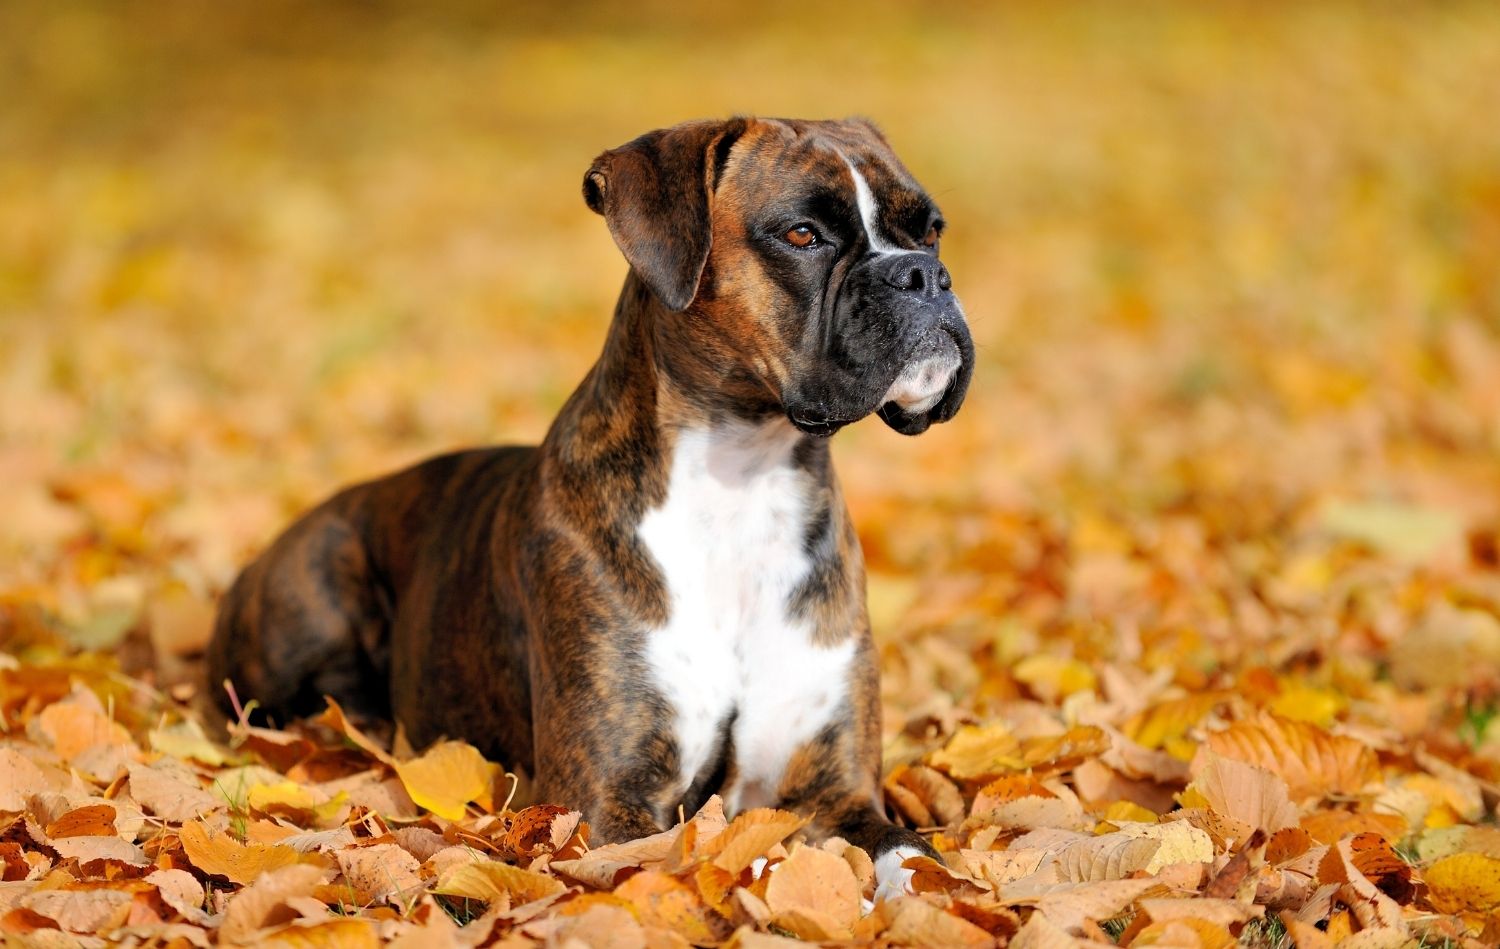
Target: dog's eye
point(802, 236)
point(931, 238)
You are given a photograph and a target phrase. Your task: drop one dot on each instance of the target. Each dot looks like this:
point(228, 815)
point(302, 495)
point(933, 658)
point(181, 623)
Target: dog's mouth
point(820, 426)
point(928, 375)
point(932, 385)
point(926, 389)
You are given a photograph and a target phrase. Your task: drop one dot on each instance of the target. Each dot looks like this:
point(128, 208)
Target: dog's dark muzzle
point(897, 344)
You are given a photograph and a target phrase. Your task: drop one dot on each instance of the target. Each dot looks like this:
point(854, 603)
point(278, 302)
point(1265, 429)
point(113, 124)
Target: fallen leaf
point(491, 880)
point(1311, 761)
point(380, 872)
point(750, 835)
point(220, 855)
point(263, 904)
point(447, 777)
point(812, 879)
point(1464, 883)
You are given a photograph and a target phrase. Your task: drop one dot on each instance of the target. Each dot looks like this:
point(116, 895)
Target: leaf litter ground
point(1188, 623)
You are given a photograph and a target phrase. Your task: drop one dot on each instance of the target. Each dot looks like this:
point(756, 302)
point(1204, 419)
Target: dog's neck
point(655, 379)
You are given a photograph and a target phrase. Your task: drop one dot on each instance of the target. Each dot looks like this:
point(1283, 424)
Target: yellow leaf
point(1402, 532)
point(1304, 703)
point(1054, 677)
point(489, 880)
point(1181, 842)
point(186, 740)
point(1464, 882)
point(1171, 719)
point(1121, 811)
point(978, 751)
point(448, 776)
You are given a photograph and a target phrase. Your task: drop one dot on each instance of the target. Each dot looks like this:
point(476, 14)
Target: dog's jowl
point(665, 599)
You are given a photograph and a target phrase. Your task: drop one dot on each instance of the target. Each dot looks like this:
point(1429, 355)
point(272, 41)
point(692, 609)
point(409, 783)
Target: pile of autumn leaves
point(1144, 815)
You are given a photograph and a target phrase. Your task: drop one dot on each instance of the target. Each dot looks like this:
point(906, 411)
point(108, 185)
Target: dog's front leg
point(602, 733)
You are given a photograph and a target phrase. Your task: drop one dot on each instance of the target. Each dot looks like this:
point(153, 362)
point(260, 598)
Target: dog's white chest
point(730, 543)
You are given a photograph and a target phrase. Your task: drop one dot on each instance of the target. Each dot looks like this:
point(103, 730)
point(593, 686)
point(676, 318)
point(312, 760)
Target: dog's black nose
point(919, 273)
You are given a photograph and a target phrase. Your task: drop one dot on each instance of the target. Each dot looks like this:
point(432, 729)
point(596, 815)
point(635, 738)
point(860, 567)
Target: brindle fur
point(503, 596)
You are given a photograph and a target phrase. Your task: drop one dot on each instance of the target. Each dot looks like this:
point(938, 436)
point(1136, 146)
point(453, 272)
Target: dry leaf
point(491, 880)
point(263, 904)
point(661, 900)
point(221, 855)
point(749, 836)
point(976, 752)
point(447, 777)
point(1311, 761)
point(380, 872)
point(171, 791)
point(811, 879)
point(1464, 883)
point(1243, 792)
point(914, 922)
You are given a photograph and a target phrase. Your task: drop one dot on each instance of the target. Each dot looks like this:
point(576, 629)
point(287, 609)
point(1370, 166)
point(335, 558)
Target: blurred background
point(1232, 273)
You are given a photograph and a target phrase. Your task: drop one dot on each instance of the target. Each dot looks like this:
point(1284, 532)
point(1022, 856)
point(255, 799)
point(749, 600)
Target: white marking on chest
point(729, 541)
point(869, 213)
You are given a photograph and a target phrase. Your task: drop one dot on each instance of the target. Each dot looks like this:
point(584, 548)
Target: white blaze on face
point(869, 213)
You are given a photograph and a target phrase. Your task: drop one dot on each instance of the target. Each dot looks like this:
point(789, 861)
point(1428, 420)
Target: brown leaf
point(171, 791)
point(380, 872)
point(330, 934)
point(180, 891)
point(1072, 905)
point(93, 820)
point(88, 849)
point(1242, 792)
point(914, 922)
point(263, 904)
point(333, 716)
point(82, 907)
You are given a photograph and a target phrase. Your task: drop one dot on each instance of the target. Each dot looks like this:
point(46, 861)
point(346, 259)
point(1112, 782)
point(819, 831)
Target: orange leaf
point(813, 879)
point(750, 835)
point(1313, 762)
point(221, 855)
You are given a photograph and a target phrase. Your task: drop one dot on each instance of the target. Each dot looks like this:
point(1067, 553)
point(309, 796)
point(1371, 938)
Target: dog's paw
point(891, 878)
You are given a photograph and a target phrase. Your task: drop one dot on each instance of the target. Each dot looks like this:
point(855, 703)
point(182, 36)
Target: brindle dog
point(665, 599)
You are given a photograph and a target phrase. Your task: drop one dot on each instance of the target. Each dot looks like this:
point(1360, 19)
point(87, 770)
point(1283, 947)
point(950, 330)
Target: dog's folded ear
point(655, 194)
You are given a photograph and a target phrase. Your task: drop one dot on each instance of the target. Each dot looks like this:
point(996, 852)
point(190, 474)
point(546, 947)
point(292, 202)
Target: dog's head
point(798, 260)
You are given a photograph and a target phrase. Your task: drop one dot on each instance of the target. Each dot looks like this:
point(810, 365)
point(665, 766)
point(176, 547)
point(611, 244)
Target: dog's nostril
point(945, 279)
point(914, 279)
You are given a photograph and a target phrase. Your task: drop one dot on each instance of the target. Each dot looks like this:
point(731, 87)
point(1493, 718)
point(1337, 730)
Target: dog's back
point(313, 615)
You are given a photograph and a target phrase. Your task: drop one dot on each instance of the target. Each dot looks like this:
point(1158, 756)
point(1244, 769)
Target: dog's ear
point(655, 194)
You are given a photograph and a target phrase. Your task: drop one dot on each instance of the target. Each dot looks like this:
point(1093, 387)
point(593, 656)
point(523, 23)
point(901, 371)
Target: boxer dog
point(665, 599)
